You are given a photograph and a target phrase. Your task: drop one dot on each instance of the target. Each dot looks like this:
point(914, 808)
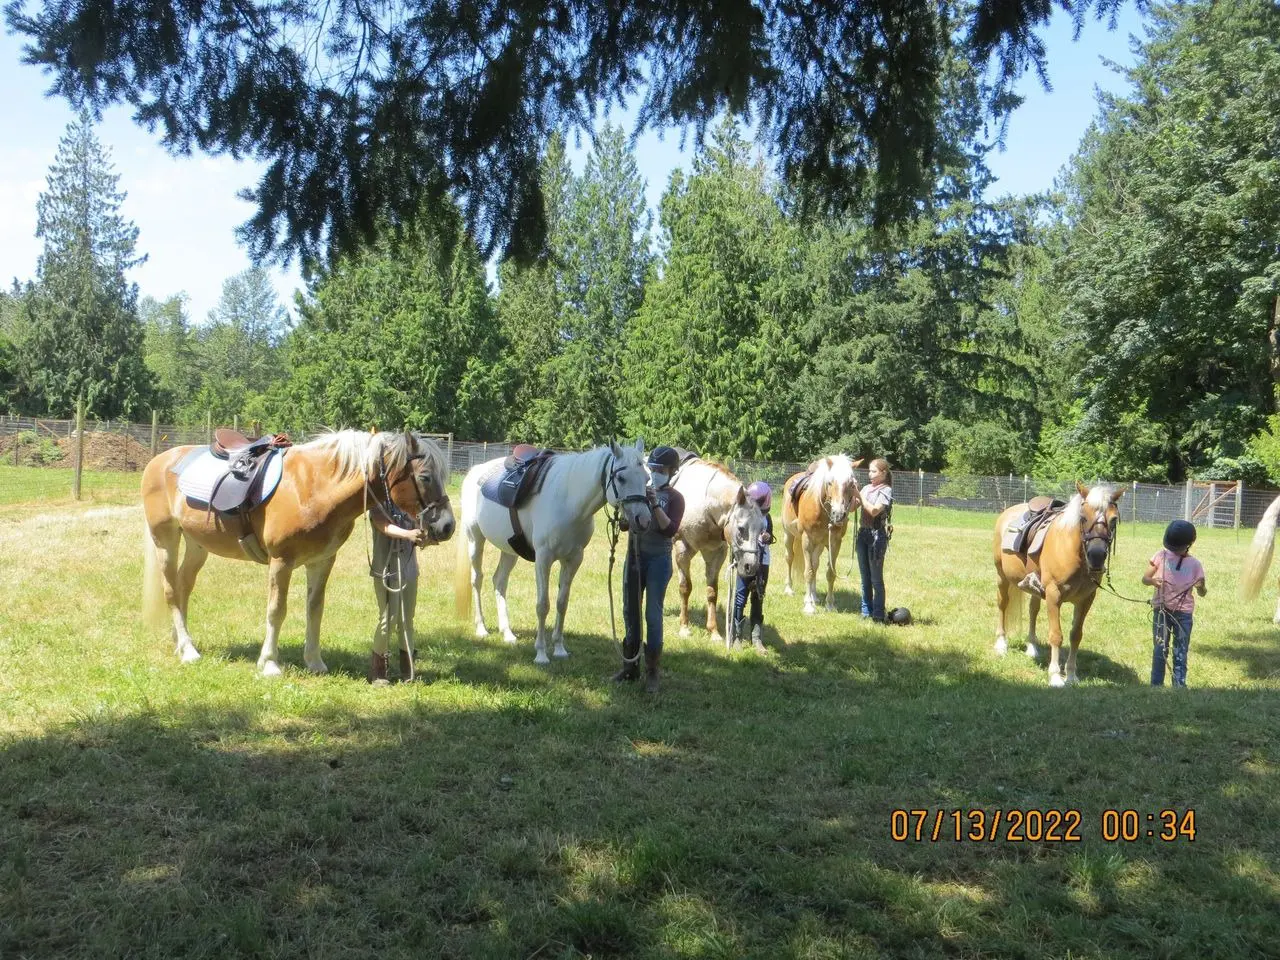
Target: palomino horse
point(558, 521)
point(1070, 566)
point(819, 522)
point(324, 487)
point(1259, 557)
point(718, 517)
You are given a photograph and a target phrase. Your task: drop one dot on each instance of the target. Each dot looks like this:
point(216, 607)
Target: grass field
point(499, 809)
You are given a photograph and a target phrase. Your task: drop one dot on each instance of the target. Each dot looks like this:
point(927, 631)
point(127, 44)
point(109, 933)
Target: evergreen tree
point(169, 353)
point(82, 336)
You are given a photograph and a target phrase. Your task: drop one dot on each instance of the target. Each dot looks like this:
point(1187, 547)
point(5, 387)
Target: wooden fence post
point(449, 452)
point(920, 494)
point(1186, 501)
point(1239, 504)
point(1135, 501)
point(78, 463)
point(155, 432)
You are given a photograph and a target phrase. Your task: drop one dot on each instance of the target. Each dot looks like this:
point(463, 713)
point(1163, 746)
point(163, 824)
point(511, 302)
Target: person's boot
point(651, 670)
point(378, 670)
point(630, 668)
point(406, 666)
point(757, 637)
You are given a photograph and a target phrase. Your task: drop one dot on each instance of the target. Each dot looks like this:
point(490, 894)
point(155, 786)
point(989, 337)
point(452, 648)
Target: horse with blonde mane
point(557, 521)
point(817, 519)
point(325, 485)
point(1258, 561)
point(720, 520)
point(1070, 566)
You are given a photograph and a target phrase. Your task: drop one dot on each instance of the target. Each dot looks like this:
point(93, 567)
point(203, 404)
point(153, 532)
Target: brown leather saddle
point(1025, 534)
point(240, 490)
point(797, 490)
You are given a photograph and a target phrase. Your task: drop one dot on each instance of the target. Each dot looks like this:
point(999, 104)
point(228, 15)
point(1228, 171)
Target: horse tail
point(1258, 560)
point(462, 574)
point(154, 608)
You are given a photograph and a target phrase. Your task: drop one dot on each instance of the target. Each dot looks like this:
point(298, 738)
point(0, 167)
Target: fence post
point(1186, 501)
point(1213, 505)
point(449, 451)
point(1239, 499)
point(208, 426)
point(155, 432)
point(235, 422)
point(1135, 501)
point(1026, 487)
point(920, 495)
point(78, 463)
point(484, 451)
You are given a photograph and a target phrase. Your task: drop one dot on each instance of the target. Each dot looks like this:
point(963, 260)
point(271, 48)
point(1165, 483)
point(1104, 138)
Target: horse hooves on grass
point(189, 655)
point(685, 631)
point(318, 669)
point(560, 652)
point(1032, 652)
point(542, 659)
point(269, 669)
point(1001, 647)
point(510, 637)
point(481, 632)
point(1056, 680)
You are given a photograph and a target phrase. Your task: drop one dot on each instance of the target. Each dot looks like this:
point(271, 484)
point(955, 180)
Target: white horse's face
point(628, 481)
point(743, 531)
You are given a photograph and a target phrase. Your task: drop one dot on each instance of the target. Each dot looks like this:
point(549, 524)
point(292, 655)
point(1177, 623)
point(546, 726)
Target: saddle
point(1025, 533)
point(797, 490)
point(521, 476)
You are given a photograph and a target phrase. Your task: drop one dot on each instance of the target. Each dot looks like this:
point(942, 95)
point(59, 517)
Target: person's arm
point(879, 500)
point(1151, 578)
point(1202, 585)
point(767, 537)
point(667, 519)
point(384, 526)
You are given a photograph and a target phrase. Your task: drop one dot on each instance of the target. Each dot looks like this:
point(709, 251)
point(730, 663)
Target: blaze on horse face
point(1099, 516)
point(840, 489)
point(743, 530)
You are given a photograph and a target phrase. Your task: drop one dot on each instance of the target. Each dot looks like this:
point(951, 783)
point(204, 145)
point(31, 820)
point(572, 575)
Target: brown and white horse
point(719, 517)
point(1070, 566)
point(818, 522)
point(1259, 557)
point(324, 487)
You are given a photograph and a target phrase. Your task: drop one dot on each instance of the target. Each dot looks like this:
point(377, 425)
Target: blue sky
point(187, 210)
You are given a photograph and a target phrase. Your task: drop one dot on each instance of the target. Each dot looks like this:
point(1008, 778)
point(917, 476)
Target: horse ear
point(1082, 489)
point(614, 448)
point(1117, 495)
point(742, 495)
point(857, 463)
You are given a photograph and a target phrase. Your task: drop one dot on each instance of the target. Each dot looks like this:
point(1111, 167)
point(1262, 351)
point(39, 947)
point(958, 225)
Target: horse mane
point(1070, 516)
point(358, 451)
point(841, 466)
point(1099, 496)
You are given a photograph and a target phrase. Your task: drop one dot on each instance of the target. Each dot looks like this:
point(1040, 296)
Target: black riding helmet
point(1179, 534)
point(664, 457)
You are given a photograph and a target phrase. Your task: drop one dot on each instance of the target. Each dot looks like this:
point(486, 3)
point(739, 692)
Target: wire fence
point(38, 457)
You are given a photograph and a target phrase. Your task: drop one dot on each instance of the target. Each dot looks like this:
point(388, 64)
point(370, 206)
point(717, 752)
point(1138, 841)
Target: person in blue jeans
point(762, 494)
point(1175, 574)
point(872, 541)
point(647, 570)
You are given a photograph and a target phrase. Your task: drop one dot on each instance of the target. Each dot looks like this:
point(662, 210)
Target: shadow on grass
point(1258, 651)
point(745, 811)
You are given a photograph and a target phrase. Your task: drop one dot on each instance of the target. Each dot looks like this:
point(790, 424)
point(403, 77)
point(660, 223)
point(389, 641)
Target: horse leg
point(568, 570)
point(501, 576)
point(811, 553)
point(1077, 634)
point(193, 558)
point(278, 575)
point(317, 581)
point(714, 560)
point(789, 548)
point(1002, 607)
point(1276, 618)
point(683, 556)
point(542, 577)
point(833, 551)
point(1053, 601)
point(1033, 611)
point(475, 551)
point(167, 541)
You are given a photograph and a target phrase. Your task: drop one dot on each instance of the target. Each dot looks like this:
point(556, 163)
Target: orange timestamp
point(1033, 825)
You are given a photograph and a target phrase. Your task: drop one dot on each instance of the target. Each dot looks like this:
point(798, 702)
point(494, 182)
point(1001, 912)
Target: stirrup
point(1031, 584)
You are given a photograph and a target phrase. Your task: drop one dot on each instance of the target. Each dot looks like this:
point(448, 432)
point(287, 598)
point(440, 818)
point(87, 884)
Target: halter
point(431, 509)
point(1089, 535)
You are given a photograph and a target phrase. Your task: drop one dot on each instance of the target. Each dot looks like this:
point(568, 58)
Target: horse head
point(627, 481)
point(1099, 516)
point(415, 471)
point(838, 487)
point(743, 528)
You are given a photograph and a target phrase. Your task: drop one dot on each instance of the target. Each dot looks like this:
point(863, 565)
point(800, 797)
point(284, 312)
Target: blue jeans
point(757, 596)
point(1176, 626)
point(871, 546)
point(646, 574)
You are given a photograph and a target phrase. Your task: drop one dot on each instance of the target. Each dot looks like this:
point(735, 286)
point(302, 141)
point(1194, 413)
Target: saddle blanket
point(511, 488)
point(199, 471)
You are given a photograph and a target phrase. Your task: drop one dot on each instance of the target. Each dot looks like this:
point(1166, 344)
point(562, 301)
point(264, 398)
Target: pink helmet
point(760, 492)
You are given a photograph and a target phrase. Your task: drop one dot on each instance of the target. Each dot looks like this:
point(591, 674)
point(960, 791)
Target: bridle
point(431, 508)
point(1090, 535)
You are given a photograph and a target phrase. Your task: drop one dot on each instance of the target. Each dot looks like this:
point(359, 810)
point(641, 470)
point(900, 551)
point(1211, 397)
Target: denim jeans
point(757, 596)
point(1170, 625)
point(647, 575)
point(871, 546)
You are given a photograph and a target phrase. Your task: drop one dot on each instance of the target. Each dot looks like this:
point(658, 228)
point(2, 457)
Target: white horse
point(558, 522)
point(718, 515)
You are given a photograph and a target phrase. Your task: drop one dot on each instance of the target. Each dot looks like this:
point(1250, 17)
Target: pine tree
point(169, 353)
point(82, 336)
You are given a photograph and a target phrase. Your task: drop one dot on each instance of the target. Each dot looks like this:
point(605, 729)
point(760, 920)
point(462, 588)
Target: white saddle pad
point(201, 474)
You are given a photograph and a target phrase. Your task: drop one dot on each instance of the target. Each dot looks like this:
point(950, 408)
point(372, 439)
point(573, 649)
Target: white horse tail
point(1258, 560)
point(462, 573)
point(155, 612)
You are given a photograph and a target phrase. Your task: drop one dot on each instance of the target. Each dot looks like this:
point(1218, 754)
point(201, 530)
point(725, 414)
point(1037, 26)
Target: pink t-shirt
point(1178, 594)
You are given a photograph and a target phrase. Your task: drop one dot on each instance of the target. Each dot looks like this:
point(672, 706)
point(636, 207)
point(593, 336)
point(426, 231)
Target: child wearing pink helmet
point(760, 492)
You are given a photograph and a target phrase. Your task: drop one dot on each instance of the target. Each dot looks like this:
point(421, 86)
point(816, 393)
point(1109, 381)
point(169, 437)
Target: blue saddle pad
point(199, 473)
point(511, 487)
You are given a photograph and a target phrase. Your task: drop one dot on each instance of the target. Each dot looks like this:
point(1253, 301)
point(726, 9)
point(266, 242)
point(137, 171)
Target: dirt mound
point(107, 451)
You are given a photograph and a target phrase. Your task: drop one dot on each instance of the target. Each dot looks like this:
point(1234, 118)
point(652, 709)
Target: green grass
point(22, 487)
point(505, 810)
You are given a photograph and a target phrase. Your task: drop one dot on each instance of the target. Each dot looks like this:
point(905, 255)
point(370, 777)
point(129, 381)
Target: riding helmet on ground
point(761, 493)
point(1179, 535)
point(900, 616)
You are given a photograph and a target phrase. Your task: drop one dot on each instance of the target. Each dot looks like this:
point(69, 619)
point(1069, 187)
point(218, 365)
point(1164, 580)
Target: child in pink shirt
point(1175, 574)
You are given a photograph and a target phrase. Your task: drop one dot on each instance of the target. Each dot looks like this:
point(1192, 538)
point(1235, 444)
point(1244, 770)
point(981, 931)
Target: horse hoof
point(810, 610)
point(560, 652)
point(318, 668)
point(190, 655)
point(788, 592)
point(541, 659)
point(715, 637)
point(1002, 646)
point(510, 637)
point(481, 633)
point(831, 608)
point(685, 631)
point(1055, 680)
point(1032, 652)
point(270, 669)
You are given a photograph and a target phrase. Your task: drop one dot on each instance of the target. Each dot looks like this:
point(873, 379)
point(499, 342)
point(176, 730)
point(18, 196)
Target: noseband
point(1092, 534)
point(609, 473)
point(431, 509)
